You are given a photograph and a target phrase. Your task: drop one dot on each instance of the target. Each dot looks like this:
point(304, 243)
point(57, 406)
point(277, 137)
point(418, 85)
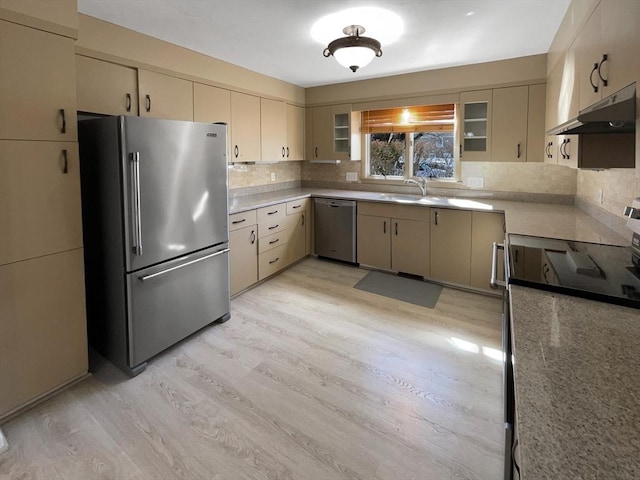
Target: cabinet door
point(273, 130)
point(295, 132)
point(243, 258)
point(296, 227)
point(476, 125)
point(272, 261)
point(245, 127)
point(106, 88)
point(621, 43)
point(486, 228)
point(410, 246)
point(509, 124)
point(322, 128)
point(374, 241)
point(211, 104)
point(43, 336)
point(37, 85)
point(162, 96)
point(450, 245)
point(341, 120)
point(535, 123)
point(588, 55)
point(40, 210)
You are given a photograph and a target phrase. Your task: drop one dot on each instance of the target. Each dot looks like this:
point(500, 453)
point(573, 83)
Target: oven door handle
point(494, 282)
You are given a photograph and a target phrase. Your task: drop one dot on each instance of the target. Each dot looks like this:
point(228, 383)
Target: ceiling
point(273, 37)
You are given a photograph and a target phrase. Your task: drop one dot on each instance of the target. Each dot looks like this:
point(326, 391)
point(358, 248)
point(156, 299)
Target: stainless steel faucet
point(420, 182)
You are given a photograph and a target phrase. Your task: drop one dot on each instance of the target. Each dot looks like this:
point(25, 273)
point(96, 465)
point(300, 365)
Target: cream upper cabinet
point(162, 96)
point(450, 245)
point(588, 57)
point(562, 90)
point(295, 132)
point(509, 124)
point(273, 130)
point(40, 210)
point(486, 228)
point(535, 123)
point(37, 85)
point(105, 87)
point(320, 140)
point(567, 150)
point(245, 128)
point(211, 104)
point(43, 334)
point(341, 119)
point(620, 42)
point(55, 14)
point(475, 126)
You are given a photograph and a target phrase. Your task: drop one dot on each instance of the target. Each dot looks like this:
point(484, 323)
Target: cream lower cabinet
point(393, 237)
point(450, 245)
point(243, 258)
point(43, 338)
point(105, 87)
point(486, 228)
point(163, 96)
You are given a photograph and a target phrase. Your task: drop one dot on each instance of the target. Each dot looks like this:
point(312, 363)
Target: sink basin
point(403, 198)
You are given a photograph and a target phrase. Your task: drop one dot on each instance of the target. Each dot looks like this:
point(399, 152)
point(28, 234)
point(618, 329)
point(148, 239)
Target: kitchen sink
point(403, 198)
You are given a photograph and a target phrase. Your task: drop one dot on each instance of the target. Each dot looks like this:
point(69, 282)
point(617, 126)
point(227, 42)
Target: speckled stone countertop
point(539, 219)
point(577, 375)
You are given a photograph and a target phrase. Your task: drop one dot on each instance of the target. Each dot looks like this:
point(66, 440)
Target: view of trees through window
point(431, 154)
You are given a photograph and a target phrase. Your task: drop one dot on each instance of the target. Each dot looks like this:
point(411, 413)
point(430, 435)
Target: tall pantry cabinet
point(43, 344)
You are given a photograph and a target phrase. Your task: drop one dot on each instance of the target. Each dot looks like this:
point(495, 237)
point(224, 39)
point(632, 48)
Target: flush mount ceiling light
point(353, 51)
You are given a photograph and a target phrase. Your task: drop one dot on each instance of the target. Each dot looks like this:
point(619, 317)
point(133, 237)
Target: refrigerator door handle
point(137, 241)
point(186, 264)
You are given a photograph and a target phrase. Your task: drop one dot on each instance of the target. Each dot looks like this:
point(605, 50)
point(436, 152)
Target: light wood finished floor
point(311, 379)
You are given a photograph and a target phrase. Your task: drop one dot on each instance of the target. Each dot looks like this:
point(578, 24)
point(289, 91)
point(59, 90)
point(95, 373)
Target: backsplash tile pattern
point(245, 175)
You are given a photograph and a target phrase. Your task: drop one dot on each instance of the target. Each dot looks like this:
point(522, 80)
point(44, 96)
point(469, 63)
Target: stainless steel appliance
point(154, 201)
point(335, 229)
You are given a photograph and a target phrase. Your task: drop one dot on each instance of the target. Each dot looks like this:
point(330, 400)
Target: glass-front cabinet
point(476, 125)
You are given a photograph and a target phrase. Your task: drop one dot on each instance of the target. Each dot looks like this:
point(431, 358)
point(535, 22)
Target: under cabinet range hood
point(614, 114)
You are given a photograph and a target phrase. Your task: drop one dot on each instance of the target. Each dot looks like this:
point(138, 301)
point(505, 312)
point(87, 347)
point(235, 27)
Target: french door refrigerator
point(154, 202)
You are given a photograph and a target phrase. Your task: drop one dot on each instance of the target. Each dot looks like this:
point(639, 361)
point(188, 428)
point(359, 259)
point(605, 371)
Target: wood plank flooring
point(311, 379)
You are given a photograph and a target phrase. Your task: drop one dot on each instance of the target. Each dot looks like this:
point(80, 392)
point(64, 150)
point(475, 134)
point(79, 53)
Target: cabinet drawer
point(272, 241)
point(375, 209)
point(40, 210)
point(296, 206)
point(269, 228)
point(267, 215)
point(272, 261)
point(241, 220)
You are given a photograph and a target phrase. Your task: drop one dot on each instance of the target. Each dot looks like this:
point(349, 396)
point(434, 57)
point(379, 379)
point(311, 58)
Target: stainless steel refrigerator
point(154, 205)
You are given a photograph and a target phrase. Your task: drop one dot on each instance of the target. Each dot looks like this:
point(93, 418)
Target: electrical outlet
point(273, 176)
point(475, 182)
point(600, 196)
point(352, 176)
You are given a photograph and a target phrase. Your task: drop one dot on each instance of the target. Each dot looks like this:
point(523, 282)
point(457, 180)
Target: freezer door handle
point(137, 226)
point(494, 282)
point(144, 278)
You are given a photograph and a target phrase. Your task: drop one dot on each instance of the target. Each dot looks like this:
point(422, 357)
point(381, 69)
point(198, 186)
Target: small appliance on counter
point(154, 211)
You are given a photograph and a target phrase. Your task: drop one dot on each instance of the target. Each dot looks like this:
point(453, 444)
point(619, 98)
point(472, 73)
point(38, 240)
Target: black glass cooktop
point(608, 273)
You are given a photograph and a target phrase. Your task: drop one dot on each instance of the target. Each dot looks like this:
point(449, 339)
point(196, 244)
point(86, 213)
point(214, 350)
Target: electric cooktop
point(608, 273)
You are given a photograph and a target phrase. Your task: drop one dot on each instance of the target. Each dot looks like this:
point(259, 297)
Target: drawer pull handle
point(274, 241)
point(275, 226)
point(296, 206)
point(384, 227)
point(272, 213)
point(235, 222)
point(274, 261)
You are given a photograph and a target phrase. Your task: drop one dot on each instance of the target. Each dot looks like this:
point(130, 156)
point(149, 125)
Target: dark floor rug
point(404, 289)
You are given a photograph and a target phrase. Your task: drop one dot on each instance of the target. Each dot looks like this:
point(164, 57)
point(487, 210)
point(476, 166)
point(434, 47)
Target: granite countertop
point(577, 375)
point(539, 219)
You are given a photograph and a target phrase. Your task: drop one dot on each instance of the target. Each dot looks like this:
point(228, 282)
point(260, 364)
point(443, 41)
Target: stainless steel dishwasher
point(335, 229)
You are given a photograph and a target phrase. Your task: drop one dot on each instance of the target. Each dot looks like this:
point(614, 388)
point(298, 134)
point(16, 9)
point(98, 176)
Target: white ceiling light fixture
point(353, 51)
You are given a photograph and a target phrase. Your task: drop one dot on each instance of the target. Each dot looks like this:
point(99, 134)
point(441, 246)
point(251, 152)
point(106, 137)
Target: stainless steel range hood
point(614, 114)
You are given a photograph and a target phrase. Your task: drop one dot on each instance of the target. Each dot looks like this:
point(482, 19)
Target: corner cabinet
point(295, 132)
point(476, 125)
point(333, 133)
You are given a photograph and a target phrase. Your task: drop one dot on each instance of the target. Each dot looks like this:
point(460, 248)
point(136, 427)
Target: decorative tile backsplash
point(243, 175)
